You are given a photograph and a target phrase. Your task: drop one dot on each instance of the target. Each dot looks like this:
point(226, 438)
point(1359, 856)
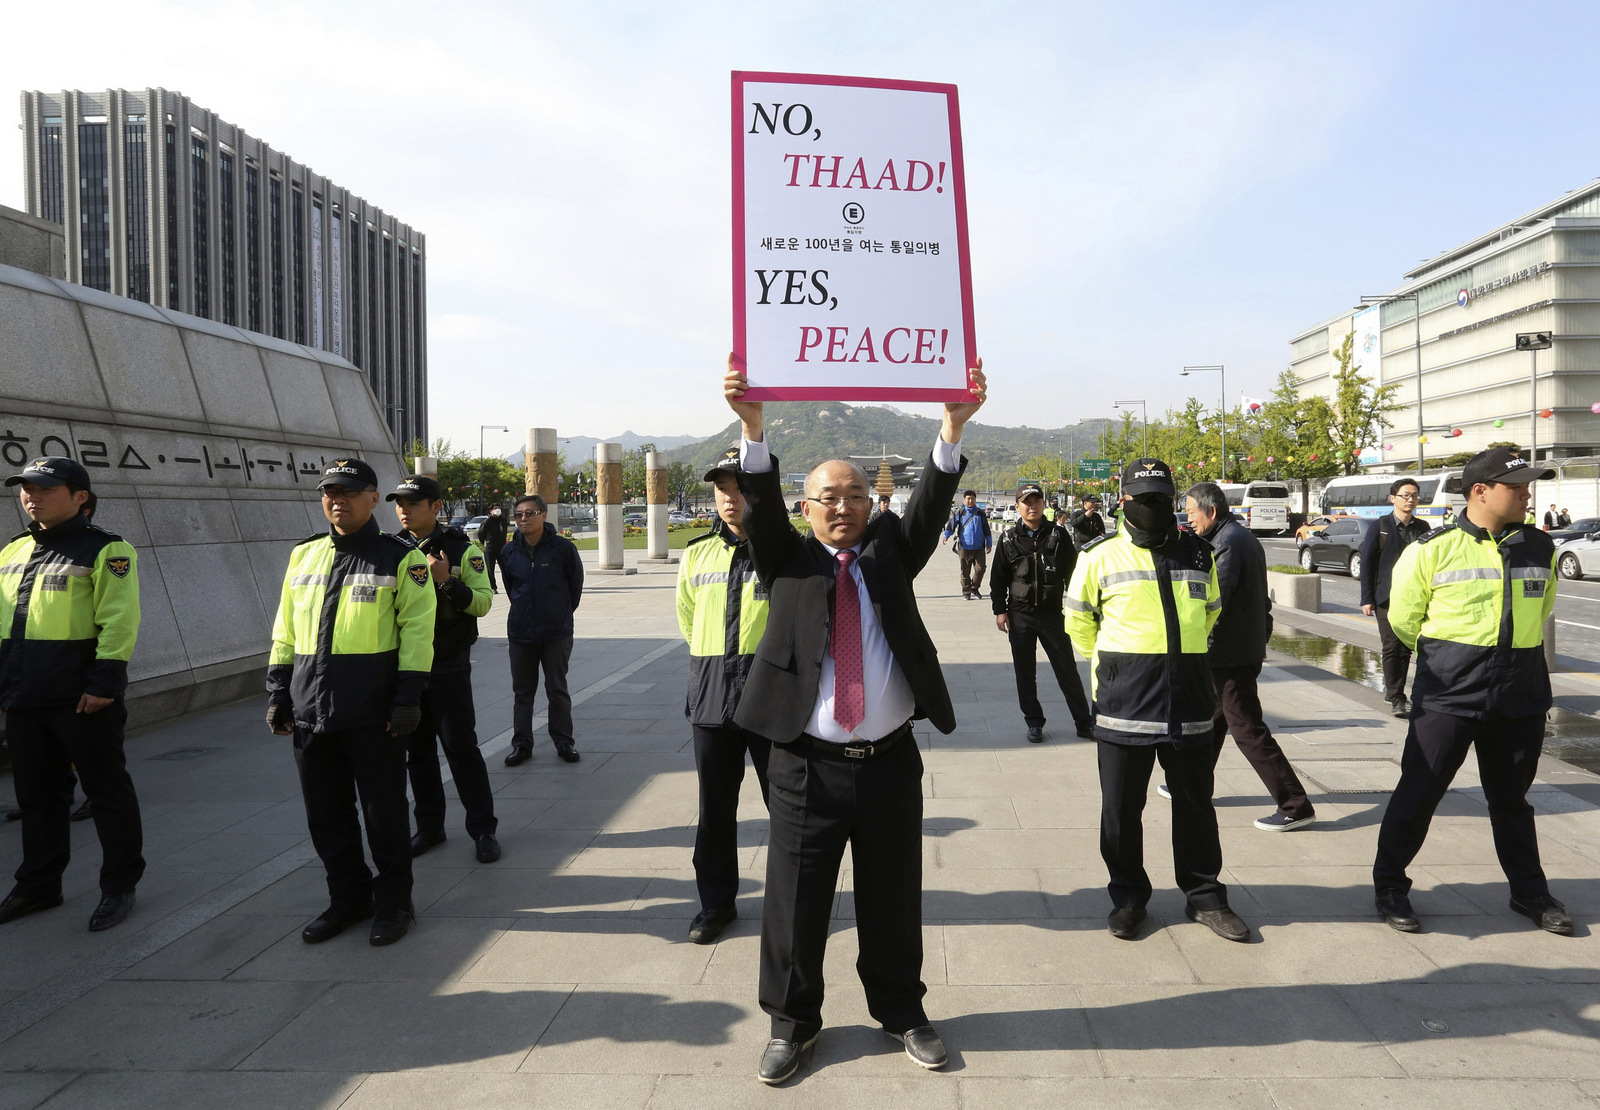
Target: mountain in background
point(580, 449)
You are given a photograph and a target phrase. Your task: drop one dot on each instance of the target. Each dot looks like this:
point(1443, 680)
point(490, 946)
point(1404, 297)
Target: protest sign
point(851, 278)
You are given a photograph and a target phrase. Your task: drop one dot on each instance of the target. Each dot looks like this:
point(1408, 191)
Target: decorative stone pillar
point(543, 475)
point(655, 495)
point(608, 507)
point(427, 464)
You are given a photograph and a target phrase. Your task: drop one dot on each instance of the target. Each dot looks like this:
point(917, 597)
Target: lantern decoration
point(1388, 447)
point(1502, 423)
point(1289, 459)
point(1249, 458)
point(1546, 413)
point(1271, 459)
point(1313, 458)
point(1595, 408)
point(1422, 439)
point(1454, 432)
point(1356, 453)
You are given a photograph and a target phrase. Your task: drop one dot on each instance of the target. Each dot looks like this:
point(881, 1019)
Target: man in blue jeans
point(970, 527)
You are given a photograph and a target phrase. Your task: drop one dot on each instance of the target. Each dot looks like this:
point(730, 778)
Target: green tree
point(1296, 436)
point(1361, 409)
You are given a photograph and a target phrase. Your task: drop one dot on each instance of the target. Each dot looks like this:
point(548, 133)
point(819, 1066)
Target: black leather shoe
point(1400, 707)
point(781, 1060)
point(1224, 922)
point(488, 848)
point(21, 905)
point(1395, 909)
point(569, 754)
point(924, 1047)
point(1545, 912)
point(13, 815)
point(390, 928)
point(111, 911)
point(1036, 734)
point(421, 842)
point(1124, 921)
point(707, 925)
point(518, 754)
point(83, 812)
point(332, 923)
point(1086, 731)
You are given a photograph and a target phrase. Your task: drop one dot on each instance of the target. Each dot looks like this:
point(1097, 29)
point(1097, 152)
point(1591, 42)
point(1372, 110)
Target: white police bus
point(1263, 506)
point(1367, 495)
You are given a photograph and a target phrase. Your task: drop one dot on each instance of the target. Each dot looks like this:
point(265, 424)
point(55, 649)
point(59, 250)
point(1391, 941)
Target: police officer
point(456, 565)
point(69, 616)
point(1033, 563)
point(722, 612)
point(352, 646)
point(1141, 604)
point(1471, 600)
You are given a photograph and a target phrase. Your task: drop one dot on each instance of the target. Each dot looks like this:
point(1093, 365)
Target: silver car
point(1578, 556)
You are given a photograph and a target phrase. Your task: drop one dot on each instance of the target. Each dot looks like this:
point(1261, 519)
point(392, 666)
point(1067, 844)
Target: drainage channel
point(1569, 736)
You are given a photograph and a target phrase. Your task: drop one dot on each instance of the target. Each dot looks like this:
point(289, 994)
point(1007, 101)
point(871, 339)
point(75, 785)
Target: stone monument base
point(660, 560)
point(612, 570)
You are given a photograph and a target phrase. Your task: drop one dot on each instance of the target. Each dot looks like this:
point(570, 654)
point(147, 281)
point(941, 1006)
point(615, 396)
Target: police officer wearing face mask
point(1141, 606)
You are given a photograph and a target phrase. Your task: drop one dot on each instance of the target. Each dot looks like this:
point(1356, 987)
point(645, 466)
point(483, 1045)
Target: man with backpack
point(970, 527)
point(1380, 550)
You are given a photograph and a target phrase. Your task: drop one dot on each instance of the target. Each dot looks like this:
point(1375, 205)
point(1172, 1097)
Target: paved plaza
point(561, 975)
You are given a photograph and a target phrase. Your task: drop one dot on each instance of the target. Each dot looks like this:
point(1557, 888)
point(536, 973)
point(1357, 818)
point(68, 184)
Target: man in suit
point(843, 668)
point(1380, 550)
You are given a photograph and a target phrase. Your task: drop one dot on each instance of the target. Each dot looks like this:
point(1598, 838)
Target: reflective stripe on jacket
point(354, 632)
point(69, 615)
point(1473, 609)
point(722, 612)
point(1142, 617)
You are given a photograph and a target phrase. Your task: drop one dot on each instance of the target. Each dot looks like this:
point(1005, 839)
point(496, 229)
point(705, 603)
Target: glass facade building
point(163, 201)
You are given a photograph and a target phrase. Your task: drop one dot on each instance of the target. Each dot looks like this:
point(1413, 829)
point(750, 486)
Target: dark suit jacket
point(798, 574)
point(1239, 638)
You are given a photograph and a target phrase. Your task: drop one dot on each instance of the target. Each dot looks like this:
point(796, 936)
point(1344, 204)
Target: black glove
point(404, 719)
point(280, 717)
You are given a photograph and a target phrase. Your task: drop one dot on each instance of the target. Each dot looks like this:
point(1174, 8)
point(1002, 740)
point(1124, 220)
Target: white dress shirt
point(889, 702)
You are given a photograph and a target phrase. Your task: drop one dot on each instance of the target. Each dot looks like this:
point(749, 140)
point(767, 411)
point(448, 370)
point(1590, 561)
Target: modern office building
point(1451, 327)
point(164, 202)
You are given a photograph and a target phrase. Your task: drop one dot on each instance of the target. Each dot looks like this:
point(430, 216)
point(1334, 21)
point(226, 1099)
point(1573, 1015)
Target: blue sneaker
point(1282, 822)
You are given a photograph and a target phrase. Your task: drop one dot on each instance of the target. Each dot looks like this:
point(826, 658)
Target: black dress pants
point(818, 804)
point(1239, 712)
point(334, 767)
point(1396, 657)
point(449, 721)
point(1196, 847)
point(527, 660)
point(491, 556)
point(719, 763)
point(1028, 630)
point(1508, 758)
point(45, 744)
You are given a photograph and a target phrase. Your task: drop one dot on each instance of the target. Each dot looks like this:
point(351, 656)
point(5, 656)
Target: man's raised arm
point(766, 517)
point(931, 499)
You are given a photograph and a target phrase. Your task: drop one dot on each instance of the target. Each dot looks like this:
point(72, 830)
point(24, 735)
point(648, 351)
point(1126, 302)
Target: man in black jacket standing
point(1032, 563)
point(1086, 524)
point(1380, 550)
point(544, 580)
point(1237, 647)
point(843, 668)
point(492, 537)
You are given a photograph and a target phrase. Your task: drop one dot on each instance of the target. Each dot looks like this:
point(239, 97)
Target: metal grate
point(1332, 781)
point(184, 753)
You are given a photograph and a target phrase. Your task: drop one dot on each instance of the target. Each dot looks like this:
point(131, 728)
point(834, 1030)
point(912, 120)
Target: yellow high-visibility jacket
point(722, 612)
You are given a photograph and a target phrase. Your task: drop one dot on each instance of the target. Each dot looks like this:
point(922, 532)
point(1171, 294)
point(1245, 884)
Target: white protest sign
point(851, 277)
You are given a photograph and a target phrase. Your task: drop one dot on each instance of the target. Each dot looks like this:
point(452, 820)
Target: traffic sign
point(1094, 468)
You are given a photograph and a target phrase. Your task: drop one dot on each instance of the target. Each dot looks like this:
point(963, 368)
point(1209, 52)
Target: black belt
point(855, 749)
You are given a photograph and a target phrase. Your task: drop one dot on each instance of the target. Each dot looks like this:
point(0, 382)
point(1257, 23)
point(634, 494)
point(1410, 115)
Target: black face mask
point(1151, 512)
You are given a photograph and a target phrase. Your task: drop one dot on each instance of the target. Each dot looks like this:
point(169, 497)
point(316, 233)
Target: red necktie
point(849, 693)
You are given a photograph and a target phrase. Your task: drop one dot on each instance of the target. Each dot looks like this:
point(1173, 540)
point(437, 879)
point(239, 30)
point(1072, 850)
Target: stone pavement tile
point(24, 1092)
point(808, 1090)
point(437, 950)
point(1496, 1031)
point(1314, 845)
point(1119, 1094)
point(226, 851)
point(1058, 952)
point(955, 894)
point(386, 1027)
point(670, 847)
point(1010, 848)
point(629, 814)
point(158, 1026)
point(673, 894)
point(220, 787)
point(1059, 813)
point(540, 849)
point(1507, 948)
point(1332, 892)
point(278, 817)
point(1427, 1094)
point(1484, 885)
point(646, 1029)
point(1591, 1087)
point(943, 816)
point(1071, 892)
point(204, 1090)
point(1063, 752)
point(412, 1090)
point(615, 949)
point(532, 895)
point(735, 963)
point(1289, 952)
point(217, 948)
point(1238, 1032)
point(513, 814)
point(945, 761)
point(1054, 784)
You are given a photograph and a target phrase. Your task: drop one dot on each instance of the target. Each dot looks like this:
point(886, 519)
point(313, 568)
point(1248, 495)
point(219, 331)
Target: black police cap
point(1148, 476)
point(417, 487)
point(1501, 464)
point(52, 470)
point(727, 463)
point(354, 474)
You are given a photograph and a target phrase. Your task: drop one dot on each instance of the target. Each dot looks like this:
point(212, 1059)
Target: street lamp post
point(1533, 342)
point(1416, 316)
point(481, 429)
point(1222, 413)
point(1144, 421)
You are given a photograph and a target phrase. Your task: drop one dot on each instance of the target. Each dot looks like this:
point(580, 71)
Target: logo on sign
point(1462, 298)
point(853, 213)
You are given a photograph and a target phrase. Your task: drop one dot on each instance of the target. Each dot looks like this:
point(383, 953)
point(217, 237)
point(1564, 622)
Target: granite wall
point(204, 443)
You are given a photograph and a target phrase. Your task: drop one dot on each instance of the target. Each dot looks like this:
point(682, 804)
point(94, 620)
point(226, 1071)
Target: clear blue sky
point(1149, 184)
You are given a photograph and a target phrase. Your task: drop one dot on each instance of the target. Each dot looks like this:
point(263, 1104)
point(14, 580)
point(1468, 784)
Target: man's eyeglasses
point(854, 501)
point(528, 515)
point(1407, 497)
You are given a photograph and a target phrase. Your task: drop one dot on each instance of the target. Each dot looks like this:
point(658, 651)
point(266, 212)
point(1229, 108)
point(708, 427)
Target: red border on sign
point(958, 185)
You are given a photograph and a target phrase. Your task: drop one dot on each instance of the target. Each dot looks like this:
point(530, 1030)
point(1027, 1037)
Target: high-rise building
point(164, 202)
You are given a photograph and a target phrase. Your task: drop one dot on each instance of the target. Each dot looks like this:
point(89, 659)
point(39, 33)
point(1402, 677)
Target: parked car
point(1315, 524)
point(1584, 527)
point(1579, 555)
point(1337, 547)
point(635, 519)
point(459, 521)
point(471, 527)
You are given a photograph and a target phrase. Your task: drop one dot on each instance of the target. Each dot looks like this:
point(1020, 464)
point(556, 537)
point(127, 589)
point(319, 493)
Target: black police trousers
point(449, 721)
point(1028, 630)
point(1508, 758)
point(719, 763)
point(491, 556)
point(45, 745)
point(819, 803)
point(334, 767)
point(527, 660)
point(1396, 657)
point(1196, 845)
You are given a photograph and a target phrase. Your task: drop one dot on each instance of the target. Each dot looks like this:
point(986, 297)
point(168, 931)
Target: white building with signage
point(1538, 273)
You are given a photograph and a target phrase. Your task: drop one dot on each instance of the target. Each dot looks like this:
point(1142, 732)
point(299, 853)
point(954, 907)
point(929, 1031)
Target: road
point(1577, 606)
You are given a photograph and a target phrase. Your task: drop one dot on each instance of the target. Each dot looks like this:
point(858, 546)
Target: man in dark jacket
point(544, 580)
point(1380, 550)
point(492, 537)
point(1238, 644)
point(1086, 524)
point(1034, 561)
